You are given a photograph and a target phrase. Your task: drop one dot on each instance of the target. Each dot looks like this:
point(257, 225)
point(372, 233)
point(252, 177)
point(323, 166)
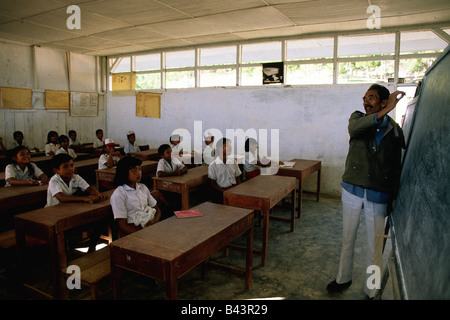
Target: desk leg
point(265, 236)
point(116, 281)
point(249, 261)
point(293, 210)
point(300, 195)
point(171, 285)
point(184, 198)
point(61, 259)
point(318, 185)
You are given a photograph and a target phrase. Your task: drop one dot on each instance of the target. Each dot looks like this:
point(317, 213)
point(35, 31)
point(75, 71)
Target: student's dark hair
point(221, 142)
point(247, 143)
point(97, 131)
point(163, 148)
point(16, 133)
point(62, 137)
point(59, 159)
point(13, 152)
point(71, 131)
point(51, 134)
point(383, 92)
point(124, 165)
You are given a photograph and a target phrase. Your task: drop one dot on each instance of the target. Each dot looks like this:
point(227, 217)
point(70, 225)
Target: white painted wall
point(40, 69)
point(312, 121)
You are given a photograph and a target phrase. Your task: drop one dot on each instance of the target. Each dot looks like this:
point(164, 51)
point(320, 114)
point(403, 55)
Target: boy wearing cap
point(130, 146)
point(110, 156)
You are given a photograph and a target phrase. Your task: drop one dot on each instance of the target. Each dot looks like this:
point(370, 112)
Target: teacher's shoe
point(333, 286)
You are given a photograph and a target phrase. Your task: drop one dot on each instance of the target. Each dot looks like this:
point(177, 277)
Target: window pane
point(261, 52)
point(310, 49)
point(180, 79)
point(180, 59)
point(124, 65)
point(148, 62)
point(218, 56)
point(148, 81)
point(419, 42)
point(318, 73)
point(365, 71)
point(251, 76)
point(218, 78)
point(413, 70)
point(361, 46)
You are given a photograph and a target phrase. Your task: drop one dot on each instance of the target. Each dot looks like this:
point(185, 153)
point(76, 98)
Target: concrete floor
point(300, 265)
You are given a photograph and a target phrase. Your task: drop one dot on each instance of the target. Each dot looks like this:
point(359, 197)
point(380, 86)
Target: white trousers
point(375, 214)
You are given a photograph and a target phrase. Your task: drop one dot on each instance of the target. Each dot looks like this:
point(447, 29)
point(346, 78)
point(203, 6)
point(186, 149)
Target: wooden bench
point(94, 267)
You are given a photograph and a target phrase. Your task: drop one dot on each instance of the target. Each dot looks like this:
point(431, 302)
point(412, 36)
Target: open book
point(188, 213)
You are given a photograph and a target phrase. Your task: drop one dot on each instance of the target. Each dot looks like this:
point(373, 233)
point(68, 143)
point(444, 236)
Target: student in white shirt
point(21, 171)
point(209, 152)
point(133, 206)
point(52, 143)
point(64, 143)
point(168, 165)
point(65, 183)
point(98, 142)
point(110, 156)
point(73, 138)
point(223, 172)
point(18, 140)
point(131, 145)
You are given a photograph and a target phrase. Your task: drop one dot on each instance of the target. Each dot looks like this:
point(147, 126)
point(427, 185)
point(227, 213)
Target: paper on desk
point(287, 164)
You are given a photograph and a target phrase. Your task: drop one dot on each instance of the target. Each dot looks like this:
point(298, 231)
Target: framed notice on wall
point(83, 104)
point(15, 98)
point(55, 99)
point(148, 104)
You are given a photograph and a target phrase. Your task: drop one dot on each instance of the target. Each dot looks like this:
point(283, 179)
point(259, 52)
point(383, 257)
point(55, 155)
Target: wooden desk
point(302, 169)
point(262, 193)
point(184, 184)
point(169, 249)
point(148, 170)
point(150, 154)
point(50, 223)
point(17, 199)
point(45, 162)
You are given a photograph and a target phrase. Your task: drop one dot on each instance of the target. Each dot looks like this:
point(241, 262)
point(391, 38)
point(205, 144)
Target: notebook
point(188, 213)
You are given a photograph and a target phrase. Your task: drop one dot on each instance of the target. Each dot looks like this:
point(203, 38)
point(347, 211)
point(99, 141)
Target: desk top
point(151, 154)
point(263, 186)
point(301, 164)
point(173, 237)
point(191, 176)
point(146, 166)
point(65, 216)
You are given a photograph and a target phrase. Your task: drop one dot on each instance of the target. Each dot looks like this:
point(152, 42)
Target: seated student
point(2, 147)
point(110, 156)
point(131, 145)
point(52, 143)
point(133, 206)
point(65, 185)
point(168, 166)
point(209, 151)
point(18, 140)
point(98, 142)
point(64, 143)
point(73, 138)
point(21, 171)
point(223, 172)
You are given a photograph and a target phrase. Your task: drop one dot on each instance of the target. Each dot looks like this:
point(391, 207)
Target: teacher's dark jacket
point(369, 166)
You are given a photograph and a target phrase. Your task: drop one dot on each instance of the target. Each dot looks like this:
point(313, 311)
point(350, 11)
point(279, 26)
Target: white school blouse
point(51, 147)
point(163, 165)
point(131, 148)
point(126, 201)
point(104, 158)
point(224, 174)
point(98, 143)
point(70, 153)
point(14, 171)
point(57, 184)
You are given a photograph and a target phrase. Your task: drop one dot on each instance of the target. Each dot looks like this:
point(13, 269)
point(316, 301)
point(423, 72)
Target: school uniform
point(51, 147)
point(209, 154)
point(165, 166)
point(127, 202)
point(129, 147)
point(70, 152)
point(251, 167)
point(98, 143)
point(14, 171)
point(104, 158)
point(75, 143)
point(224, 174)
point(57, 184)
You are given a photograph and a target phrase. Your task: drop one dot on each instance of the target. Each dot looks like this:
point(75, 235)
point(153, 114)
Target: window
point(121, 64)
point(261, 52)
point(310, 49)
point(218, 77)
point(180, 79)
point(148, 62)
point(218, 56)
point(421, 42)
point(147, 81)
point(180, 59)
point(251, 76)
point(317, 73)
point(366, 46)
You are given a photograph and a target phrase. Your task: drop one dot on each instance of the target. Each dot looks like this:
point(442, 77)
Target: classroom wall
point(312, 120)
point(39, 69)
